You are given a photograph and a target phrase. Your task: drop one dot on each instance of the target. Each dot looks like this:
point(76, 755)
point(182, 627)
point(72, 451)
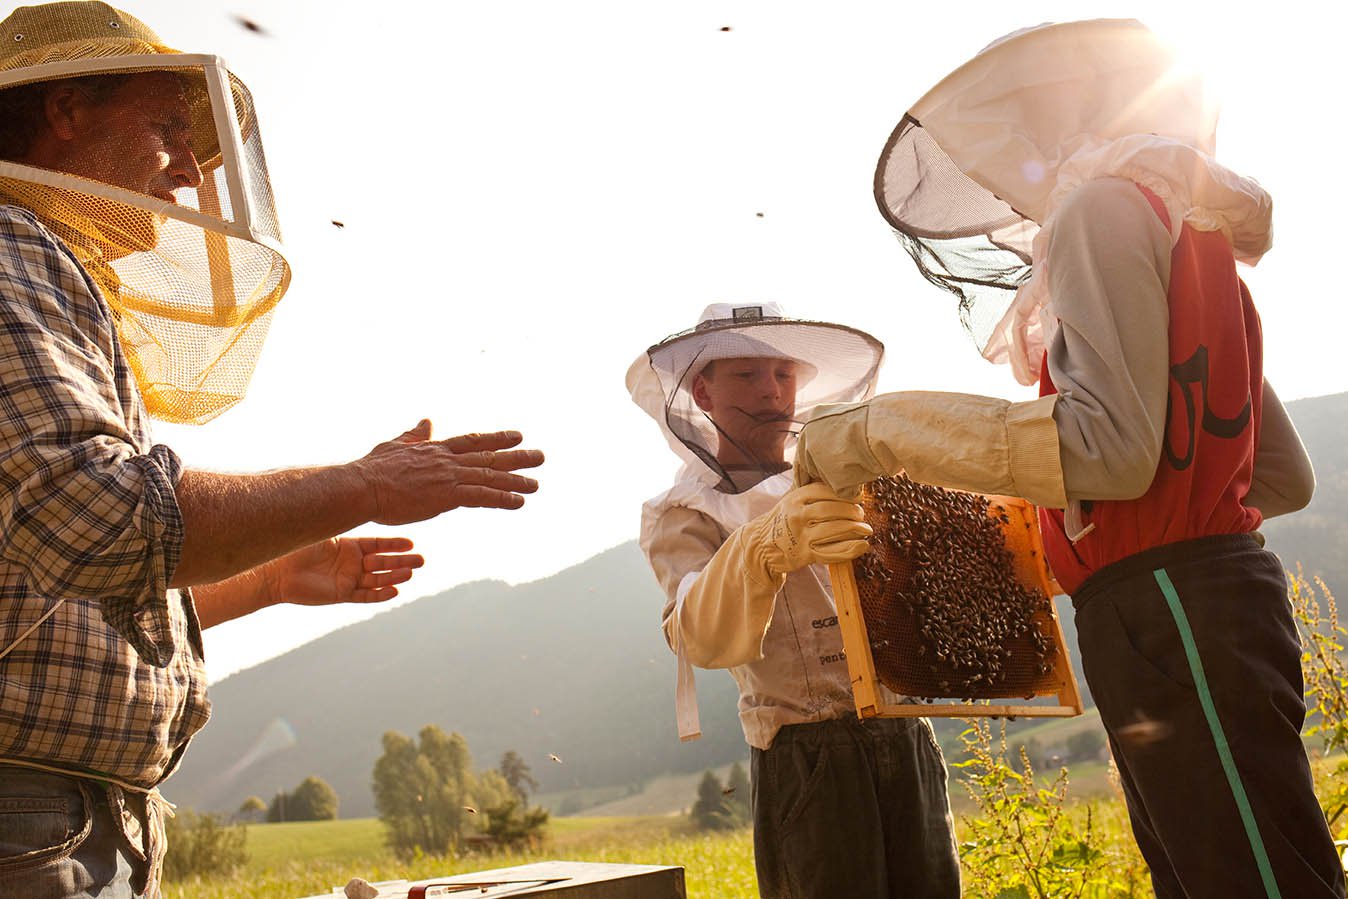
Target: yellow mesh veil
point(192, 283)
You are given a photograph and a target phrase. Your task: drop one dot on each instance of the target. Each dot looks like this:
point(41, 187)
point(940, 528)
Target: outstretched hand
point(344, 569)
point(413, 478)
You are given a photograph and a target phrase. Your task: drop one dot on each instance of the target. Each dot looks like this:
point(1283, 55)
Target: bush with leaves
point(203, 845)
point(513, 825)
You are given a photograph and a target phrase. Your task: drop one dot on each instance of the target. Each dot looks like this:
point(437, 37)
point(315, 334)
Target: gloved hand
point(808, 525)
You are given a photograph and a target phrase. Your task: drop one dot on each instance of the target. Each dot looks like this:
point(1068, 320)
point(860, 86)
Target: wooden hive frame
point(1031, 567)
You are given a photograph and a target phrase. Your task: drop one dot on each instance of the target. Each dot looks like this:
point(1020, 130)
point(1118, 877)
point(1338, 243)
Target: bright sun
point(1204, 46)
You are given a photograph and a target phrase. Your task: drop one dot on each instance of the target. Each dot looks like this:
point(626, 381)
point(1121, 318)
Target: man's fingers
point(380, 594)
point(843, 551)
point(833, 531)
point(834, 510)
point(370, 545)
point(502, 461)
point(498, 440)
point(500, 480)
point(418, 434)
point(480, 496)
point(392, 562)
point(385, 578)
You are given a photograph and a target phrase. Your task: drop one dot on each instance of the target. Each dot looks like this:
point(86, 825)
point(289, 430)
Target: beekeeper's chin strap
point(767, 468)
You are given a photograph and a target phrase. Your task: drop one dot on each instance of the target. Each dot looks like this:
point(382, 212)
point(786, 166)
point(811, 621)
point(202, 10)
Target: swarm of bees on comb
point(946, 613)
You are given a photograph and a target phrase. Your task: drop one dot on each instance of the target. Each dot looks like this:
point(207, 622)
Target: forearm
point(726, 609)
point(233, 523)
point(716, 610)
point(235, 597)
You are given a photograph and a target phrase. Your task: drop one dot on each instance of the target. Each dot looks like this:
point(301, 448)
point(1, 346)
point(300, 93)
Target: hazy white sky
point(535, 191)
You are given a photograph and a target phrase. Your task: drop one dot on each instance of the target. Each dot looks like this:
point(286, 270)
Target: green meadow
point(288, 861)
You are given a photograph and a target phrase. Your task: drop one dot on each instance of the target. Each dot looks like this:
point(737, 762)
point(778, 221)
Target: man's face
point(137, 138)
point(752, 402)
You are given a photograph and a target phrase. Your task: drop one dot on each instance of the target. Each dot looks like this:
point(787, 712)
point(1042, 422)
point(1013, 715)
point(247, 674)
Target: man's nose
point(184, 168)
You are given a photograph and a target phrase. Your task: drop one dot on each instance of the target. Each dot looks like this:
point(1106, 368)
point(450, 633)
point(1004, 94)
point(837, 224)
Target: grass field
point(302, 859)
point(296, 860)
point(289, 861)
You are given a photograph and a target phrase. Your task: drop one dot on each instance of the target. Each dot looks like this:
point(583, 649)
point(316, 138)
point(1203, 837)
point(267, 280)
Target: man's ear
point(700, 394)
point(64, 106)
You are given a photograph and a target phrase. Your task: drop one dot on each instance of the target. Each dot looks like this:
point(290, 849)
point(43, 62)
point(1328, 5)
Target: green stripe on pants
point(1218, 735)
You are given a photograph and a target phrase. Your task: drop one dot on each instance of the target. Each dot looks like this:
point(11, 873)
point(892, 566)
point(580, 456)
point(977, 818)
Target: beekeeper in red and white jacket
point(1062, 184)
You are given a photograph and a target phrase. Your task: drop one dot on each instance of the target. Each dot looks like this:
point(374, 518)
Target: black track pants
point(1193, 659)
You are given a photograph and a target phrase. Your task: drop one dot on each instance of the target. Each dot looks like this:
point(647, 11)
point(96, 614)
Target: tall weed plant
point(1027, 841)
point(1324, 666)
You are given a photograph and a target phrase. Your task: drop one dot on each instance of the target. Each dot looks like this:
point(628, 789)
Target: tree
point(277, 812)
point(711, 811)
point(518, 775)
point(1084, 745)
point(424, 791)
point(252, 810)
point(312, 800)
point(737, 794)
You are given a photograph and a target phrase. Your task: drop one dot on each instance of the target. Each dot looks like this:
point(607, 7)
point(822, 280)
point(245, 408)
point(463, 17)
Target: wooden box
point(559, 879)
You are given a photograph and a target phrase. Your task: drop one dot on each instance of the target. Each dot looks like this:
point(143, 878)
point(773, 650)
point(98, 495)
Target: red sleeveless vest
point(1211, 426)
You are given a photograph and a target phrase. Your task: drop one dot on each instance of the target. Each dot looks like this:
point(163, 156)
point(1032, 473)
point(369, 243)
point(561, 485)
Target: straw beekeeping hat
point(192, 283)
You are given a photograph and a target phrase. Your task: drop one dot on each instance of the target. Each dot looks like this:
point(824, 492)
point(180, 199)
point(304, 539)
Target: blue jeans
point(58, 840)
point(856, 809)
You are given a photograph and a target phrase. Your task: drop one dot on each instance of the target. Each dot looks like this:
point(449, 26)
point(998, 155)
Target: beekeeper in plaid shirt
point(139, 263)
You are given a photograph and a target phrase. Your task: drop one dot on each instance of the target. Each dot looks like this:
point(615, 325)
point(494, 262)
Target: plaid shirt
point(113, 682)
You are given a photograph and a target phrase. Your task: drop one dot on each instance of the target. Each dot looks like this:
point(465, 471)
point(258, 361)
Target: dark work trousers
point(1194, 662)
point(855, 809)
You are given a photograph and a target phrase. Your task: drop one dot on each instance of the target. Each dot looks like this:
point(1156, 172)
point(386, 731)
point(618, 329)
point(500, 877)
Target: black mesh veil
point(962, 237)
point(835, 364)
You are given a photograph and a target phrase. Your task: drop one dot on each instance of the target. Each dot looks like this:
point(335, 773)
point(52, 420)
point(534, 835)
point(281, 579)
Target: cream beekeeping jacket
point(778, 637)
